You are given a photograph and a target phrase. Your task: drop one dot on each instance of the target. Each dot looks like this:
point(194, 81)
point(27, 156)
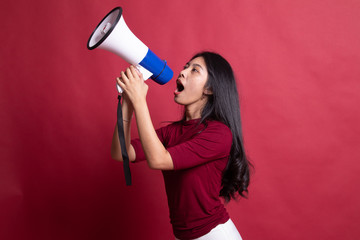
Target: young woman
point(202, 156)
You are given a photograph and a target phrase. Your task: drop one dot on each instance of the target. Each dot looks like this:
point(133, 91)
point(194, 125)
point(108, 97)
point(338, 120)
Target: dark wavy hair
point(223, 105)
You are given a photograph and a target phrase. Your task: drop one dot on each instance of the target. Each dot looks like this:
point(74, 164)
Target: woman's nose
point(182, 74)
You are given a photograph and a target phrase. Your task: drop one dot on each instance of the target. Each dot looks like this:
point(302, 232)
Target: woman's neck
point(192, 113)
point(193, 110)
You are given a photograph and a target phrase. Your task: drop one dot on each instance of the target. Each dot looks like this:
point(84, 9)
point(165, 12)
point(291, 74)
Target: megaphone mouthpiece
point(106, 28)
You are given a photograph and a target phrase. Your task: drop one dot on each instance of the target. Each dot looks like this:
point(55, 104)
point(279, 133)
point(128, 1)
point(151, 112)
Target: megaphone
point(112, 34)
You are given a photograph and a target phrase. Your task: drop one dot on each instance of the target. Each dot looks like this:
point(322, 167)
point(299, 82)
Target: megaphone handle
point(120, 90)
point(124, 153)
point(146, 75)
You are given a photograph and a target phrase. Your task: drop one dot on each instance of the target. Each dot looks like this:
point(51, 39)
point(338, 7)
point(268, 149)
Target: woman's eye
point(194, 70)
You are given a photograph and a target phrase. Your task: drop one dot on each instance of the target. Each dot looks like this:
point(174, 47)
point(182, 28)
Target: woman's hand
point(132, 82)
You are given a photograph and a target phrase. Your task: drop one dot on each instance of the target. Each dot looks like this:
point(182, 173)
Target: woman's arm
point(156, 154)
point(127, 111)
point(134, 86)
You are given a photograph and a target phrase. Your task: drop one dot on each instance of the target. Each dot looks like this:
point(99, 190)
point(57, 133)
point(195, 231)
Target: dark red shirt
point(200, 154)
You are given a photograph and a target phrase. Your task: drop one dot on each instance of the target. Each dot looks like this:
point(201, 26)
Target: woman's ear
point(208, 91)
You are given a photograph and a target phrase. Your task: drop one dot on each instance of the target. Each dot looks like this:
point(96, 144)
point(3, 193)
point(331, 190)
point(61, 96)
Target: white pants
point(226, 231)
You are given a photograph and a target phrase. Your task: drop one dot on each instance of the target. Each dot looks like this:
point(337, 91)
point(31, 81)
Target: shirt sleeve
point(211, 144)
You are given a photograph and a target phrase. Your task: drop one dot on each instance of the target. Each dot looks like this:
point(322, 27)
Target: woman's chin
point(178, 100)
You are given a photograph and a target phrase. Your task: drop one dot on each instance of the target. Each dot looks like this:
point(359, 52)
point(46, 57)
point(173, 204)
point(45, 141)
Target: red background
point(297, 67)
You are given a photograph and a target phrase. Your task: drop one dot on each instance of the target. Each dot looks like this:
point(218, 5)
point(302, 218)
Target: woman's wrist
point(139, 104)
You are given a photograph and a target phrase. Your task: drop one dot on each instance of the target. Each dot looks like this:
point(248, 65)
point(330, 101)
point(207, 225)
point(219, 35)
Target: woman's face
point(190, 85)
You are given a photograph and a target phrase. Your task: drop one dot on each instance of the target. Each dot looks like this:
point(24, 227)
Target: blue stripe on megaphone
point(162, 73)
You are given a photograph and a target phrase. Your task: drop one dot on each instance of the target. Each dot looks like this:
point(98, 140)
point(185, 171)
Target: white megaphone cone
point(112, 34)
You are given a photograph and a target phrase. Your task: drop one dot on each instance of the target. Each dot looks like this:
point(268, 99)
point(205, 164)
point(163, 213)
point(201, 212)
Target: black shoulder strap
point(124, 153)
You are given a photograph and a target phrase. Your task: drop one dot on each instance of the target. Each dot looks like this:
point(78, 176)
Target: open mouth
point(179, 86)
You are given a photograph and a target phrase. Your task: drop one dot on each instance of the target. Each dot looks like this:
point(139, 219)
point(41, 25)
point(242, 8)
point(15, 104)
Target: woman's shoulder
point(218, 128)
point(217, 125)
point(208, 126)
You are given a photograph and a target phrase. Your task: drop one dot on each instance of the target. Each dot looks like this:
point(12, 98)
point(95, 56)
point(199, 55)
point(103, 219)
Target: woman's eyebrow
point(197, 65)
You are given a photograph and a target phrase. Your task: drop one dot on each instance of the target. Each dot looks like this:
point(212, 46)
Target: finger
point(129, 73)
point(135, 72)
point(139, 73)
point(124, 78)
point(120, 83)
point(136, 69)
point(118, 80)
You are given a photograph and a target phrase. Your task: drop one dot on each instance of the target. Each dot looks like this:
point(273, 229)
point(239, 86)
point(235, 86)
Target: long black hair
point(223, 105)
